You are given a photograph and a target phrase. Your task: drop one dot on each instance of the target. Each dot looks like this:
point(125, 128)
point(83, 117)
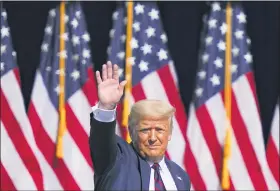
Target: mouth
point(153, 147)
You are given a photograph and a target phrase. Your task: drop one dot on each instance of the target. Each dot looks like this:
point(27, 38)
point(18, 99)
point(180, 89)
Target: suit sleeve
point(103, 144)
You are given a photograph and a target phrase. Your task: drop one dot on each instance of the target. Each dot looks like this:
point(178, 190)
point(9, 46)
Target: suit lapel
point(145, 172)
point(177, 179)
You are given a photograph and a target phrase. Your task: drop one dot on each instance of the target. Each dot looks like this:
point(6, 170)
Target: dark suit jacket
point(118, 166)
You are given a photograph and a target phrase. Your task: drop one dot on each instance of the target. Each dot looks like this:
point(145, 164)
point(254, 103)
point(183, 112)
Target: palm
point(109, 91)
point(109, 88)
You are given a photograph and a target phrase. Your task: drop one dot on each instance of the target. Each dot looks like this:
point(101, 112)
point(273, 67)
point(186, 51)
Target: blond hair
point(150, 108)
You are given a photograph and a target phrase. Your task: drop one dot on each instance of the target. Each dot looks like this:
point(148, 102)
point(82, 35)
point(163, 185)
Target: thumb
point(122, 84)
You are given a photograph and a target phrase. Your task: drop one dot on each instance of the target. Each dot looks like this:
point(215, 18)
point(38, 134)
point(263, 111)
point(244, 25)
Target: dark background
point(182, 22)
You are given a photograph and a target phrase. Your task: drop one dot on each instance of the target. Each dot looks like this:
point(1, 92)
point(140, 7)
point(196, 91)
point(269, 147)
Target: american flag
point(153, 72)
point(18, 149)
point(74, 170)
point(272, 152)
point(248, 168)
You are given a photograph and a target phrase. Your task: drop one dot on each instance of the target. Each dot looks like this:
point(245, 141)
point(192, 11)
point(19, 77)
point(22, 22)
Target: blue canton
point(211, 71)
point(148, 40)
point(8, 55)
point(77, 52)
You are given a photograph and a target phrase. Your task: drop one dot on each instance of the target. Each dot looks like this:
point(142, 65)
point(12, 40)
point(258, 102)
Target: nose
point(153, 137)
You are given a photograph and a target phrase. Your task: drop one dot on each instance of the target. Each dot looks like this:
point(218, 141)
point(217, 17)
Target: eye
point(160, 130)
point(146, 130)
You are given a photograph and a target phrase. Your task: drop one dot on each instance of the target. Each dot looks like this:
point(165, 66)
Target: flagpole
point(128, 69)
point(62, 112)
point(227, 145)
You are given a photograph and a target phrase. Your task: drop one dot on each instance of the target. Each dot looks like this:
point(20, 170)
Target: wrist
point(106, 106)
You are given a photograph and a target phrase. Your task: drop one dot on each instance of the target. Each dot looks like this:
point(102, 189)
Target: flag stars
point(48, 68)
point(78, 14)
point(248, 57)
point(223, 28)
point(221, 45)
point(136, 26)
point(2, 66)
point(154, 14)
point(205, 58)
point(5, 32)
point(115, 15)
point(64, 36)
point(45, 47)
point(241, 17)
point(112, 32)
point(4, 15)
point(121, 55)
point(198, 92)
point(86, 53)
point(3, 49)
point(150, 31)
point(239, 34)
point(216, 6)
point(215, 80)
point(212, 23)
point(235, 51)
point(120, 71)
point(147, 49)
point(218, 62)
point(75, 57)
point(163, 37)
point(86, 37)
point(14, 54)
point(75, 40)
point(134, 43)
point(75, 75)
point(208, 40)
point(48, 30)
point(131, 60)
point(62, 54)
point(234, 68)
point(123, 37)
point(143, 66)
point(52, 13)
point(60, 72)
point(202, 75)
point(139, 9)
point(162, 54)
point(58, 89)
point(74, 23)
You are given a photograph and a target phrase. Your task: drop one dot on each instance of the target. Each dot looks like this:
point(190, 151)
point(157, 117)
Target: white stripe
point(77, 164)
point(13, 96)
point(49, 117)
point(275, 128)
point(13, 164)
point(240, 177)
point(201, 152)
point(154, 89)
point(248, 109)
point(81, 109)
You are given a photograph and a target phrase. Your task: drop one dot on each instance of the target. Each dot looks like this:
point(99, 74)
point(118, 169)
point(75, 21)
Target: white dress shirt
point(109, 116)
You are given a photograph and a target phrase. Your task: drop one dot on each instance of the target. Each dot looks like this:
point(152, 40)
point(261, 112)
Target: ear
point(169, 137)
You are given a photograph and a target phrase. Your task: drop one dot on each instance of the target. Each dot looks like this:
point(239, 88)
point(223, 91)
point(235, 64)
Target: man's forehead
point(154, 120)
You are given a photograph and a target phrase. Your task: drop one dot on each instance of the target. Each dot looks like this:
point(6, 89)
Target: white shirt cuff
point(103, 115)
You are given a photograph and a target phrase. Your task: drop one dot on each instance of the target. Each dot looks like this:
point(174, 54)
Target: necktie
point(158, 181)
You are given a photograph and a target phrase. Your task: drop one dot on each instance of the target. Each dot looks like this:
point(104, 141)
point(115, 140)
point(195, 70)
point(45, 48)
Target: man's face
point(152, 137)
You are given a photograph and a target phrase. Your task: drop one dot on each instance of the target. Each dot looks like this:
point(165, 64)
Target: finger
point(122, 84)
point(104, 72)
point(98, 77)
point(116, 72)
point(109, 70)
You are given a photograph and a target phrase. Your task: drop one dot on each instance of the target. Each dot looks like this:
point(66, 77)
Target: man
point(140, 165)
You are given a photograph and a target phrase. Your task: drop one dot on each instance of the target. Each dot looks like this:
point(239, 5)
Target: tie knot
point(155, 166)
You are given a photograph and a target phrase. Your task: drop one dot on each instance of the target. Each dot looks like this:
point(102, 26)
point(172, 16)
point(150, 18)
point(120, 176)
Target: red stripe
point(210, 136)
point(246, 148)
point(47, 148)
point(192, 169)
point(6, 182)
point(174, 97)
point(273, 159)
point(90, 89)
point(17, 75)
point(138, 93)
point(78, 134)
point(251, 81)
point(15, 133)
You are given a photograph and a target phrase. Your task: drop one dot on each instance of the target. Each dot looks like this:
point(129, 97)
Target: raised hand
point(110, 90)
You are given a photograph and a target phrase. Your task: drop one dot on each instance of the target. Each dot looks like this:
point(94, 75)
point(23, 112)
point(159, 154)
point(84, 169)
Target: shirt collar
point(161, 163)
